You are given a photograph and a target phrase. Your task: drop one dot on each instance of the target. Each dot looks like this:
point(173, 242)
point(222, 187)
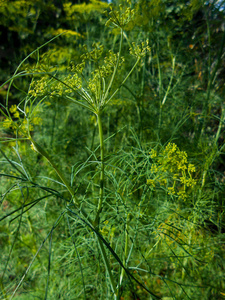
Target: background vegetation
point(162, 211)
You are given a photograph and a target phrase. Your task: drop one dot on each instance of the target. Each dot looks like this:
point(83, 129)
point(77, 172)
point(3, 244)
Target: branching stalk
point(115, 69)
point(125, 79)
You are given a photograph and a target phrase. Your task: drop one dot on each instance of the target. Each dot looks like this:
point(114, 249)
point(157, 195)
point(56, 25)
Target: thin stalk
point(211, 75)
point(3, 292)
point(108, 268)
point(78, 256)
point(206, 107)
point(214, 152)
point(125, 251)
point(125, 79)
point(170, 83)
point(14, 75)
point(101, 191)
point(41, 151)
point(76, 202)
point(99, 209)
point(36, 254)
point(159, 72)
point(87, 106)
point(116, 67)
point(160, 89)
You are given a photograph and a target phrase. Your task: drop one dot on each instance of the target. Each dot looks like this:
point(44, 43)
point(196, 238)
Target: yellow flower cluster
point(170, 168)
point(38, 87)
point(19, 124)
point(140, 50)
point(94, 6)
point(73, 81)
point(120, 18)
point(95, 54)
point(104, 70)
point(14, 111)
point(62, 84)
point(78, 68)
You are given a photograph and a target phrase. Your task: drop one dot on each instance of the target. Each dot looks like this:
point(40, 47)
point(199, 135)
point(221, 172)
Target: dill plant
point(92, 94)
point(135, 211)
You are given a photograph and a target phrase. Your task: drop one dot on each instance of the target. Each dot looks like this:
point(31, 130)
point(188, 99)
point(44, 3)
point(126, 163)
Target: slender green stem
point(41, 151)
point(116, 67)
point(170, 83)
point(108, 268)
point(87, 106)
point(159, 73)
point(99, 209)
point(101, 191)
point(3, 292)
point(125, 79)
point(160, 90)
point(214, 152)
point(211, 74)
point(76, 202)
point(125, 250)
point(14, 75)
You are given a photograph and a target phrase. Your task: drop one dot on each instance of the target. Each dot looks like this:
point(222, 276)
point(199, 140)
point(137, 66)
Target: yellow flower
point(191, 182)
point(16, 115)
point(7, 123)
point(191, 168)
point(183, 180)
point(182, 195)
point(181, 166)
point(151, 182)
point(153, 153)
point(36, 120)
point(13, 109)
point(163, 181)
point(154, 168)
point(33, 147)
point(171, 164)
point(171, 190)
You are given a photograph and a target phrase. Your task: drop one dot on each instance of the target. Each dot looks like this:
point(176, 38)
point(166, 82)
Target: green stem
point(214, 152)
point(76, 202)
point(160, 90)
point(108, 268)
point(125, 250)
point(101, 191)
point(159, 73)
point(3, 292)
point(211, 75)
point(17, 69)
point(206, 110)
point(170, 83)
point(125, 79)
point(116, 67)
point(99, 209)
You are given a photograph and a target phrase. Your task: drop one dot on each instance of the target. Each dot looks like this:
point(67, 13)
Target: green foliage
point(112, 150)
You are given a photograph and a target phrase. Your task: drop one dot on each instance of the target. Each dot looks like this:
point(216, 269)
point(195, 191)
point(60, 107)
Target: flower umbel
point(170, 167)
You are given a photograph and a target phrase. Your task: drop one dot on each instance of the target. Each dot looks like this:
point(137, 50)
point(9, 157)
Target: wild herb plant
point(99, 208)
point(96, 92)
